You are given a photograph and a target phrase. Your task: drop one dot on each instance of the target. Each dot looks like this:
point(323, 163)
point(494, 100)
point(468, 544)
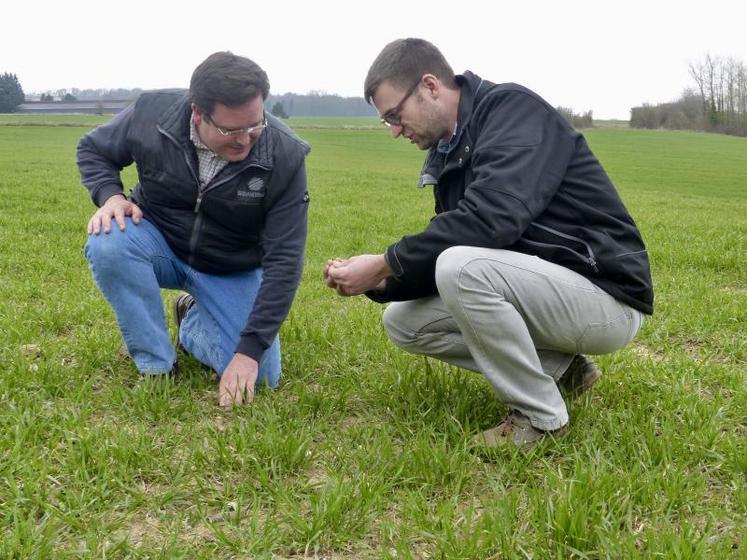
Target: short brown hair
point(229, 79)
point(404, 60)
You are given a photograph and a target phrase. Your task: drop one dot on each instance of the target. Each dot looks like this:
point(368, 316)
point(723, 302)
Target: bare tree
point(723, 88)
point(721, 94)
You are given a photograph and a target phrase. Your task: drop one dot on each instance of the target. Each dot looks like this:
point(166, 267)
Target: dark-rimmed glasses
point(392, 116)
point(238, 131)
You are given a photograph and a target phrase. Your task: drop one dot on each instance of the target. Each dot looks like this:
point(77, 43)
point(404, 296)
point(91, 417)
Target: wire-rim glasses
point(392, 116)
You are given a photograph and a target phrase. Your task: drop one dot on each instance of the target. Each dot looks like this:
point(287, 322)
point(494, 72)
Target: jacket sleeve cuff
point(106, 192)
point(379, 296)
point(251, 346)
point(390, 256)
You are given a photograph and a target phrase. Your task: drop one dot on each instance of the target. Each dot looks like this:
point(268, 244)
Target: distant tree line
point(64, 96)
point(11, 93)
point(718, 103)
point(577, 120)
point(312, 104)
point(75, 94)
point(318, 104)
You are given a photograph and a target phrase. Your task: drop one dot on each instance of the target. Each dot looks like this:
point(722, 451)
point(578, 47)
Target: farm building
point(89, 106)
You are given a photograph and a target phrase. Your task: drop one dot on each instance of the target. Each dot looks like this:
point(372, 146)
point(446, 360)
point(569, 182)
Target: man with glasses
point(219, 212)
point(531, 260)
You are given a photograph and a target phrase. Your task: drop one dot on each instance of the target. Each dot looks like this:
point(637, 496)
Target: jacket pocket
point(558, 247)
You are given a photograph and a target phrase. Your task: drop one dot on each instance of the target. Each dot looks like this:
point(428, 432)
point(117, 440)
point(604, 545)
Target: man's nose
point(245, 139)
point(396, 130)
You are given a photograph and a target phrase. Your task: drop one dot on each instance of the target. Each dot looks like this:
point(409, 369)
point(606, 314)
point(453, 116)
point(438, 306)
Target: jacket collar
point(175, 122)
point(471, 86)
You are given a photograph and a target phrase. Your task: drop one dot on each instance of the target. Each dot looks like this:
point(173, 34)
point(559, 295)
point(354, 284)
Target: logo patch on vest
point(254, 188)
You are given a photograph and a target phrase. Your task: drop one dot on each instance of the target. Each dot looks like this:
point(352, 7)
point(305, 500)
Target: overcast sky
point(598, 55)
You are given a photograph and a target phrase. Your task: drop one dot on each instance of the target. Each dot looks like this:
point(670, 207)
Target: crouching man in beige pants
point(531, 260)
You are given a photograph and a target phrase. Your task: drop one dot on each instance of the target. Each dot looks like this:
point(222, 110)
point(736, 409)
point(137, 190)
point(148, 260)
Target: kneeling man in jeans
point(219, 212)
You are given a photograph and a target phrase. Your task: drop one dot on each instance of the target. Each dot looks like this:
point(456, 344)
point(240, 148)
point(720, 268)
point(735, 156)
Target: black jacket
point(519, 177)
point(253, 213)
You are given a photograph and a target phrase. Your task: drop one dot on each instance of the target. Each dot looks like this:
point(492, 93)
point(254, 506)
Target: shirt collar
point(196, 140)
point(444, 146)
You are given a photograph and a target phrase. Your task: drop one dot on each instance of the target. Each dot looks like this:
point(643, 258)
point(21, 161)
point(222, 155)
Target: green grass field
point(364, 451)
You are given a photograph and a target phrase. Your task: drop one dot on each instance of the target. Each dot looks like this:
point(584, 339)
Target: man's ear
point(431, 84)
point(196, 114)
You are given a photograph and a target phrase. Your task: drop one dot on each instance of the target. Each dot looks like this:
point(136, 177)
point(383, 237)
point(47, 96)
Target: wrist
point(114, 196)
point(385, 271)
point(243, 357)
point(106, 192)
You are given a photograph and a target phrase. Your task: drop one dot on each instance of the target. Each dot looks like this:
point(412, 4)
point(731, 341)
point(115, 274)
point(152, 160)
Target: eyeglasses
point(238, 131)
point(392, 116)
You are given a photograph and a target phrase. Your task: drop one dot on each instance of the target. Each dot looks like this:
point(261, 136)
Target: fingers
point(100, 218)
point(338, 277)
point(334, 263)
point(234, 390)
point(119, 217)
point(228, 390)
point(234, 396)
point(336, 273)
point(331, 273)
point(228, 399)
point(137, 214)
point(93, 225)
point(330, 282)
point(117, 210)
point(248, 393)
point(224, 390)
point(106, 222)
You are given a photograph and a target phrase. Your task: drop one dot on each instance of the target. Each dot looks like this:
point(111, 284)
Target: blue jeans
point(130, 267)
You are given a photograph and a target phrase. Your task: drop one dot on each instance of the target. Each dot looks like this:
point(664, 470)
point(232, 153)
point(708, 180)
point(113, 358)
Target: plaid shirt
point(210, 163)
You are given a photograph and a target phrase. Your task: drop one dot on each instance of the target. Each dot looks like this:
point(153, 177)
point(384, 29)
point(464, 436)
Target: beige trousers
point(515, 318)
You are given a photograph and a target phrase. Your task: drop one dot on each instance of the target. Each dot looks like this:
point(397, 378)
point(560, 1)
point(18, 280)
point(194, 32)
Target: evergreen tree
point(279, 111)
point(11, 93)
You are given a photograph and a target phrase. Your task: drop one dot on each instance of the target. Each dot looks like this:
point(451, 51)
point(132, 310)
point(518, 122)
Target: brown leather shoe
point(182, 304)
point(517, 430)
point(579, 377)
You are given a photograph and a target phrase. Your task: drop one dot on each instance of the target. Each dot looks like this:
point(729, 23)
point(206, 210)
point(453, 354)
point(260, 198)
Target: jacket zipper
point(590, 259)
point(438, 198)
point(185, 154)
point(197, 226)
point(195, 233)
